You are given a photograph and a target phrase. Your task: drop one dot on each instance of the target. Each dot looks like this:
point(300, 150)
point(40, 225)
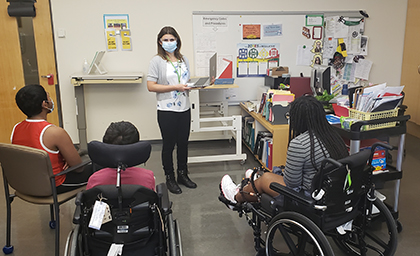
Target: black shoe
point(172, 185)
point(185, 180)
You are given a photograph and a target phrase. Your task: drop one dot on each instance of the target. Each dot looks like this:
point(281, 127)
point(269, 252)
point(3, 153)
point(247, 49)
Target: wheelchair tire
point(377, 240)
point(291, 233)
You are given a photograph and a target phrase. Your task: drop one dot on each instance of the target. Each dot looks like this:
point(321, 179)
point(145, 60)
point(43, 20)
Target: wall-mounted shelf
point(109, 78)
point(79, 80)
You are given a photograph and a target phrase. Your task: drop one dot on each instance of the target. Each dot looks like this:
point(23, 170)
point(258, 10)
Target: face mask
point(51, 109)
point(169, 46)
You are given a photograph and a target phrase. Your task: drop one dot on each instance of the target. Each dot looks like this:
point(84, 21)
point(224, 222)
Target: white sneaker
point(229, 189)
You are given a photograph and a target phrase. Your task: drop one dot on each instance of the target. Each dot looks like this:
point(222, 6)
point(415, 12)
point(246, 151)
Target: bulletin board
point(284, 39)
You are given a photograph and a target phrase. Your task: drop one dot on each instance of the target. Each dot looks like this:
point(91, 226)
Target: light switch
point(61, 33)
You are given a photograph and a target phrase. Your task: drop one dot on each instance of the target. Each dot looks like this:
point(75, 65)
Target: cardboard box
point(379, 159)
point(278, 71)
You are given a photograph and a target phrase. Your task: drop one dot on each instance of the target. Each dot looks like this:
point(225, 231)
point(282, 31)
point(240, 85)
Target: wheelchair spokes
point(379, 237)
point(291, 233)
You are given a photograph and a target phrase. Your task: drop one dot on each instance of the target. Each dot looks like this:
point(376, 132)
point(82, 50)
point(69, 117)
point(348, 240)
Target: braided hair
point(307, 114)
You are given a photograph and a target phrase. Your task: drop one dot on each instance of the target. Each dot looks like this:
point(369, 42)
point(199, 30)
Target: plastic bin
point(340, 110)
point(364, 116)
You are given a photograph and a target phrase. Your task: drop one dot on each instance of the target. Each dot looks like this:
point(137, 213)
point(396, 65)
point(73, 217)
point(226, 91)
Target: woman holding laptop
point(169, 72)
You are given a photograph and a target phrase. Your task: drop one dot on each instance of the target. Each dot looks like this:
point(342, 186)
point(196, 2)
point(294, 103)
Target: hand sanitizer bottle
point(85, 67)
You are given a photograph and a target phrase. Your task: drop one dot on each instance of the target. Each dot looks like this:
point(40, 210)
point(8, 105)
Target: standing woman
point(169, 71)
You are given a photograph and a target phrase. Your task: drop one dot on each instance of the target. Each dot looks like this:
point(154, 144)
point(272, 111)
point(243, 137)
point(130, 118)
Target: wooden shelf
point(280, 135)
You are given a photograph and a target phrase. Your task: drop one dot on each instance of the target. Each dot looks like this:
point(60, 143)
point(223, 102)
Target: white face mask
point(52, 108)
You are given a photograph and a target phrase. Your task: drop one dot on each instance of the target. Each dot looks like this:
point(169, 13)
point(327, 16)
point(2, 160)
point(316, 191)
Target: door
point(410, 74)
point(27, 56)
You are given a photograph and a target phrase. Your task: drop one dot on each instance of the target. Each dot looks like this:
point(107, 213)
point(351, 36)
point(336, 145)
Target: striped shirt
point(299, 172)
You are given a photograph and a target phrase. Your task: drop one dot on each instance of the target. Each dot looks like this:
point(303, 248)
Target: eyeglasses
point(168, 40)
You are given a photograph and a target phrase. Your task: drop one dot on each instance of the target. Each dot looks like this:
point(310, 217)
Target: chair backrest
point(344, 185)
point(27, 170)
point(134, 223)
point(110, 155)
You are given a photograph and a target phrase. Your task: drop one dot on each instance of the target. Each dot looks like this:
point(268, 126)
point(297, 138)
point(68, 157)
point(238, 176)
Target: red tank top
point(30, 133)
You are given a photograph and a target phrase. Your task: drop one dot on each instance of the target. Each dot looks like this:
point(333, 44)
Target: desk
point(224, 119)
point(79, 79)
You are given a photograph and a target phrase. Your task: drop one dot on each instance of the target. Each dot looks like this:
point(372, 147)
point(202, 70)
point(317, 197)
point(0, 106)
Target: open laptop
point(205, 81)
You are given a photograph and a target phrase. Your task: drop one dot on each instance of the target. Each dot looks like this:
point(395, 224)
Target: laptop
point(200, 82)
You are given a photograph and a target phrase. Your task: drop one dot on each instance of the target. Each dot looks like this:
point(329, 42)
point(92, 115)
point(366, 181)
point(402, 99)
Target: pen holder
point(365, 116)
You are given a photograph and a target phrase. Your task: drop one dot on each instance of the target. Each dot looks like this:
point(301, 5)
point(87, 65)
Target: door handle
point(50, 78)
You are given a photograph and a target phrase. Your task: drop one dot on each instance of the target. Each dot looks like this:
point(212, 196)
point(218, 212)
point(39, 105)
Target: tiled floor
point(207, 226)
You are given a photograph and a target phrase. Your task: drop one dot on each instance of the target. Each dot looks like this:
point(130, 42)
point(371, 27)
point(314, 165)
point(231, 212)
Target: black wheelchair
point(344, 206)
point(142, 221)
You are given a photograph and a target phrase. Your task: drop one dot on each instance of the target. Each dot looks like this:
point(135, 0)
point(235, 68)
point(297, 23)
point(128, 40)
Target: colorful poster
point(116, 21)
point(126, 40)
point(111, 40)
point(254, 59)
point(251, 31)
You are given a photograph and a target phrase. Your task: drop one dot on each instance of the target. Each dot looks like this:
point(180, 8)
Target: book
point(333, 119)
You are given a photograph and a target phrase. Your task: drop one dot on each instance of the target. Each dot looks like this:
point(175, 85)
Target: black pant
point(175, 130)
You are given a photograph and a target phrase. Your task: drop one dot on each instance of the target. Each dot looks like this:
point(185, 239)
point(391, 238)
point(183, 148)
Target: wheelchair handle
point(323, 164)
point(330, 160)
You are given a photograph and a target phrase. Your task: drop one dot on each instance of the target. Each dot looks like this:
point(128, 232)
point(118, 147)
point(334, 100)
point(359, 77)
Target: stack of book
point(248, 131)
point(264, 148)
point(274, 105)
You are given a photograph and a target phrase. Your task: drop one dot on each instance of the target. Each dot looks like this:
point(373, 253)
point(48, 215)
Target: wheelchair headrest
point(110, 155)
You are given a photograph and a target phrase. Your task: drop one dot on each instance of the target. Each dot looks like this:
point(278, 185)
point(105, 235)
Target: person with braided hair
point(311, 140)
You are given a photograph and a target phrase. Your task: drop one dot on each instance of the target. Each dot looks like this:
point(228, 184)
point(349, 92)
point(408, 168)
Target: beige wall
point(82, 22)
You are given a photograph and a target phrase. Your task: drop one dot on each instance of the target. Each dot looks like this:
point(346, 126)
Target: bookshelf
point(280, 134)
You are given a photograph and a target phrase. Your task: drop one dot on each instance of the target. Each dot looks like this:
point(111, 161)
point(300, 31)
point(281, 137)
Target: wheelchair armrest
point(290, 193)
point(76, 215)
point(74, 168)
point(77, 211)
point(162, 192)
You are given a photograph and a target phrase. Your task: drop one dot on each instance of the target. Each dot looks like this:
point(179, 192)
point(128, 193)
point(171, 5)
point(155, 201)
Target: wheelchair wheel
point(290, 233)
point(379, 237)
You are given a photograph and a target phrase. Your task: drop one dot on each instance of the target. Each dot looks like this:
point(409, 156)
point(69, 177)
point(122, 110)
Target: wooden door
point(410, 74)
point(13, 73)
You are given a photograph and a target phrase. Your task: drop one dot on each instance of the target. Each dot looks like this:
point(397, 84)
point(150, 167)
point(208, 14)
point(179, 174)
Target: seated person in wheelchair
point(312, 140)
point(37, 132)
point(122, 133)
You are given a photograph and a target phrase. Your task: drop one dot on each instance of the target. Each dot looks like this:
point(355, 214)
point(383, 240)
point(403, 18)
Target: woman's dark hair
point(307, 114)
point(161, 51)
point(121, 133)
point(29, 99)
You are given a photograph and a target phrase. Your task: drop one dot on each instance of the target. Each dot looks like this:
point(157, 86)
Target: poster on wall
point(117, 31)
point(255, 59)
point(251, 31)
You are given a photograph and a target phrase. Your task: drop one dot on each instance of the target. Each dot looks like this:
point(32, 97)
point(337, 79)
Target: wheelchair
point(141, 219)
point(343, 206)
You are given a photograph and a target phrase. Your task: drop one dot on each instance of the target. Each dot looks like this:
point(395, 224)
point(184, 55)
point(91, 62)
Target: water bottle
point(345, 90)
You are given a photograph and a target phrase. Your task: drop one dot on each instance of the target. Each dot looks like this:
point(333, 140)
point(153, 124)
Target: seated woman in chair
point(122, 133)
point(37, 132)
point(312, 140)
